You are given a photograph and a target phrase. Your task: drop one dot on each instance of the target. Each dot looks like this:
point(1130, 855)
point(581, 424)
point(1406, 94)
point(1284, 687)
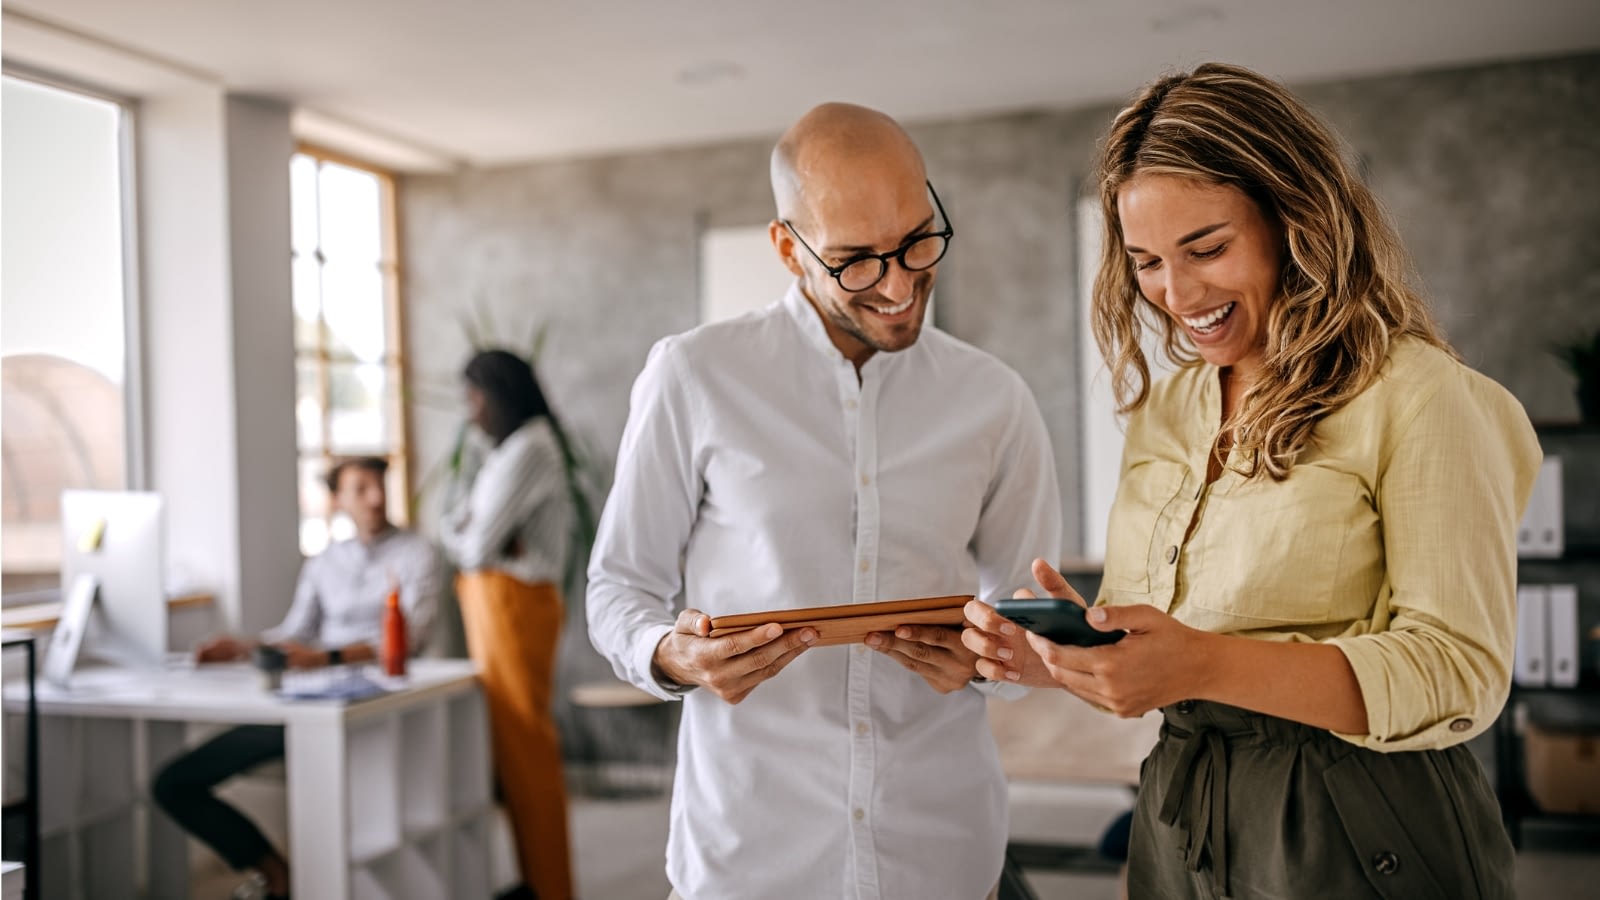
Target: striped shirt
point(516, 515)
point(340, 598)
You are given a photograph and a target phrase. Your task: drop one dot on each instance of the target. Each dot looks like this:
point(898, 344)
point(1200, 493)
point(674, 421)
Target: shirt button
point(1172, 553)
point(865, 565)
point(850, 404)
point(1460, 725)
point(865, 479)
point(861, 648)
point(1386, 863)
point(859, 814)
point(861, 728)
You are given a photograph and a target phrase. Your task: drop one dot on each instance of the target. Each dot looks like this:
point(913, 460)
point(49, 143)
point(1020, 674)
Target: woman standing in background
point(509, 534)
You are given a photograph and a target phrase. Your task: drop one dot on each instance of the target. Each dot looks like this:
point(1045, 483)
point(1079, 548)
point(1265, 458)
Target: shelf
point(423, 781)
point(468, 754)
point(43, 616)
point(469, 853)
point(1567, 427)
point(372, 759)
point(1576, 553)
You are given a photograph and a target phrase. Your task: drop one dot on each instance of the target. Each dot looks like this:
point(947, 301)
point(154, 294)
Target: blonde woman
point(1312, 549)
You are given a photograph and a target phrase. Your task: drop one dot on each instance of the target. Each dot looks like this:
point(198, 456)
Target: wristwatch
point(335, 656)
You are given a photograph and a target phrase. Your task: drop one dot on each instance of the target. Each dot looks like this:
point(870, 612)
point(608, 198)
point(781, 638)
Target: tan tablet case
point(849, 623)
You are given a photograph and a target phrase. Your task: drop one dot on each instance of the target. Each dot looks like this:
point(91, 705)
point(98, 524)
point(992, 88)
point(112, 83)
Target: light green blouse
point(1394, 537)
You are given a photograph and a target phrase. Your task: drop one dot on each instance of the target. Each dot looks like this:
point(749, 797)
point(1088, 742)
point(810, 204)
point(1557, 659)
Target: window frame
point(135, 440)
point(135, 450)
point(395, 359)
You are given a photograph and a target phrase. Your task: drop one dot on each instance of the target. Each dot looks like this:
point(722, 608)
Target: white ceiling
point(484, 82)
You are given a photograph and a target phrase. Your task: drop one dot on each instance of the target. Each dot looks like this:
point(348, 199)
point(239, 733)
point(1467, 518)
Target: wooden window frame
point(390, 268)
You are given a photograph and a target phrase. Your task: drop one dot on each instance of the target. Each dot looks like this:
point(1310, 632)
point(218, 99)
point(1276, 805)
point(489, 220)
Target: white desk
point(389, 798)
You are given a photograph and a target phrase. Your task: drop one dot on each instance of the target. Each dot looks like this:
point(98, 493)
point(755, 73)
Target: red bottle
point(394, 637)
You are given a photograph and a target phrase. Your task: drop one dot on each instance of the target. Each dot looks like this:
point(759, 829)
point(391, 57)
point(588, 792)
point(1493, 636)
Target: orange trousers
point(512, 628)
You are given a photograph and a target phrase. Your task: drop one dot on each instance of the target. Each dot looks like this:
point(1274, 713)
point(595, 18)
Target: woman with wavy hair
point(1313, 545)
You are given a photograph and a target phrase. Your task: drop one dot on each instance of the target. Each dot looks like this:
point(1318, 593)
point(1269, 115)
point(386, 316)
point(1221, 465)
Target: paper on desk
point(330, 686)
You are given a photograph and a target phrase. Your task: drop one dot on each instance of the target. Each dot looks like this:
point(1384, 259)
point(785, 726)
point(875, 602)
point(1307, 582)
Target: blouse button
point(1460, 724)
point(1172, 553)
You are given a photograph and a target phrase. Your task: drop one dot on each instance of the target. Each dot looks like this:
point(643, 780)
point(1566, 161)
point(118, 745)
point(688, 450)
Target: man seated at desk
point(336, 618)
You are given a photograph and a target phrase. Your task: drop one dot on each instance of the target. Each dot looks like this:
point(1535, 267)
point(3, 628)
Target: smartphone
point(1061, 621)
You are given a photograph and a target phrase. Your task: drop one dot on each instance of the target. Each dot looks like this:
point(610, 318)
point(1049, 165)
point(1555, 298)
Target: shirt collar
point(378, 541)
point(809, 320)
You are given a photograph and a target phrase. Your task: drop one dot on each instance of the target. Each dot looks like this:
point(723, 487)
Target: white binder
point(1541, 533)
point(1531, 665)
point(1563, 623)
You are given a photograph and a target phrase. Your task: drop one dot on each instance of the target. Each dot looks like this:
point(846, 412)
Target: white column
point(218, 339)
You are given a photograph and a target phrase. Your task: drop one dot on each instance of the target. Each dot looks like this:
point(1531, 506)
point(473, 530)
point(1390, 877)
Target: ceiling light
point(710, 73)
point(1186, 18)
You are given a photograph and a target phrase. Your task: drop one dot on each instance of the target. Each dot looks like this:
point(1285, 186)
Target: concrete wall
point(1492, 174)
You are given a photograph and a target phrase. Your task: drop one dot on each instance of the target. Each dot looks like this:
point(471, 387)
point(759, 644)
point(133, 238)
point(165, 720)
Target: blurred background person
point(508, 531)
point(336, 618)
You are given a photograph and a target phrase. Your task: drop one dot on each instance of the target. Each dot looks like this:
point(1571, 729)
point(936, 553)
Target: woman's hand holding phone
point(1004, 650)
point(1162, 662)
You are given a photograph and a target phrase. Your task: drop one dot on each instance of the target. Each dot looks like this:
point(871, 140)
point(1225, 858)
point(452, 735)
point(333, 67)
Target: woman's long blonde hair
point(1343, 293)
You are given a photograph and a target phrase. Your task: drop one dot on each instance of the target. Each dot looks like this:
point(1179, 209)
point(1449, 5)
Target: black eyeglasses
point(865, 271)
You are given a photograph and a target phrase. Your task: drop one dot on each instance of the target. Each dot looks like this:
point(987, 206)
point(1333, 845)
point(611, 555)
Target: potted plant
point(1581, 357)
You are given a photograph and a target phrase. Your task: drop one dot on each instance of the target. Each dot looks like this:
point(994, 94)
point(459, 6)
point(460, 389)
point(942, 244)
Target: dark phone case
point(1061, 621)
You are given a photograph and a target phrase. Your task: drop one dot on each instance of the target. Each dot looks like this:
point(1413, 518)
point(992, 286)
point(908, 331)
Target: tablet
point(850, 623)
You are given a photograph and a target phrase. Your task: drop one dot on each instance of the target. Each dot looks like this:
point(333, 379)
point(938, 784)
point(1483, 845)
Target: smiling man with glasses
point(828, 449)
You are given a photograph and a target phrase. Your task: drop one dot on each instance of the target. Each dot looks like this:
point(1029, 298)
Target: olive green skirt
point(1241, 805)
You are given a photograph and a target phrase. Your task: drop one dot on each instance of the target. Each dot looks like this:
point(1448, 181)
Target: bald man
point(831, 448)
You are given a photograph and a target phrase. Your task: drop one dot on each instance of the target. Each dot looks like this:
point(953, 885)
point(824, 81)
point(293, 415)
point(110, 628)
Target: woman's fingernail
point(1097, 615)
point(1008, 628)
point(1005, 653)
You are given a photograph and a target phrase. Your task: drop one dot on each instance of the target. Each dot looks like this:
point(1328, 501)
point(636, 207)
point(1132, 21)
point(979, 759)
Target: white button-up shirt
point(343, 590)
point(756, 471)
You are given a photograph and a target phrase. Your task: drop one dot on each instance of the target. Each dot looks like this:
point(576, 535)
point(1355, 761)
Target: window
point(349, 371)
point(64, 345)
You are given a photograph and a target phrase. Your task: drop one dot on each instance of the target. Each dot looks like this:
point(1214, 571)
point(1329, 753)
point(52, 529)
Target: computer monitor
point(118, 538)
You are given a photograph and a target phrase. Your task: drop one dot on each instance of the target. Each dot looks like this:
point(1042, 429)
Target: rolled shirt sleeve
point(1436, 667)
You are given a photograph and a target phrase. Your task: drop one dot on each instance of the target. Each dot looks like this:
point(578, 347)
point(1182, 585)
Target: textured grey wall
point(1492, 174)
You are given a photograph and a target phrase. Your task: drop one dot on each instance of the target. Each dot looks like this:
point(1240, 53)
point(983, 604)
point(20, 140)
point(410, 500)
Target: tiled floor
point(620, 845)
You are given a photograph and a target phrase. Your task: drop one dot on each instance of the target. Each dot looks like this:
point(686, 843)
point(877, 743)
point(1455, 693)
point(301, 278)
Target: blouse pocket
point(1142, 496)
point(1276, 552)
